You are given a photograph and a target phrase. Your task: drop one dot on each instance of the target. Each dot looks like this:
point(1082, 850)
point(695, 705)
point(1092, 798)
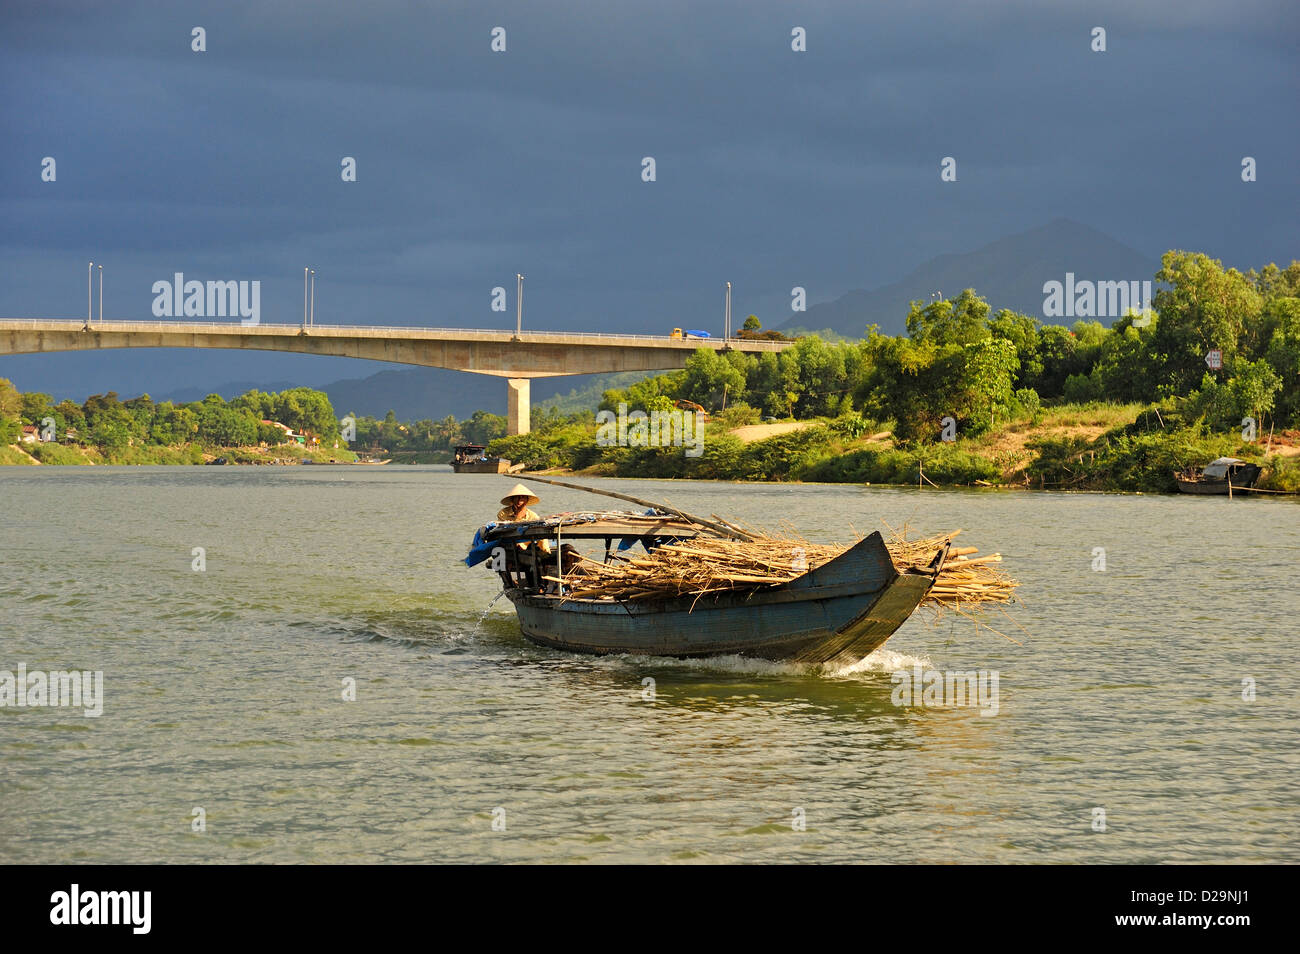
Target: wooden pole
point(726, 531)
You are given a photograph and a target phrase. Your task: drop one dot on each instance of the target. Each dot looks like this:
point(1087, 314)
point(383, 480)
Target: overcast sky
point(774, 168)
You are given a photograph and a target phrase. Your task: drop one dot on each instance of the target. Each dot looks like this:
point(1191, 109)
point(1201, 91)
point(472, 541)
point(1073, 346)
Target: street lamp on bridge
point(519, 303)
point(726, 316)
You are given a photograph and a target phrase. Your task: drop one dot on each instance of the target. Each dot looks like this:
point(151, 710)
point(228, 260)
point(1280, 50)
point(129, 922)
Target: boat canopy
point(1218, 469)
point(650, 527)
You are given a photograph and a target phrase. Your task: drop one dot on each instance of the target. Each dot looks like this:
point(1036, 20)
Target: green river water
point(223, 689)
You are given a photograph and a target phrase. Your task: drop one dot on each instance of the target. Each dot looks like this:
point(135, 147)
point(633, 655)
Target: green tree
point(638, 394)
point(821, 379)
point(173, 425)
point(1058, 355)
point(961, 321)
point(11, 405)
point(305, 409)
point(988, 382)
point(708, 376)
point(223, 426)
point(1022, 332)
point(1202, 307)
point(774, 385)
point(1124, 365)
point(1283, 356)
point(483, 427)
point(36, 407)
point(70, 416)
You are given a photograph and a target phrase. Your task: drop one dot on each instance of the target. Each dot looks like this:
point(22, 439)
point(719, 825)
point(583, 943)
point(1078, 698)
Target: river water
point(224, 687)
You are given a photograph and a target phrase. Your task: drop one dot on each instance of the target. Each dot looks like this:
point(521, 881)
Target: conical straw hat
point(519, 490)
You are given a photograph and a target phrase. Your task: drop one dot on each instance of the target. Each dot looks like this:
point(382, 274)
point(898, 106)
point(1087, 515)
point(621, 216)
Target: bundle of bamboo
point(711, 565)
point(726, 556)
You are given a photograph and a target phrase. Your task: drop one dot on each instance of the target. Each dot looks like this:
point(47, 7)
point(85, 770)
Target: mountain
point(1008, 273)
point(229, 391)
point(436, 392)
point(416, 393)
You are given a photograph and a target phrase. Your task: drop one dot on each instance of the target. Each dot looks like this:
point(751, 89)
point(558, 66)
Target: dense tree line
point(959, 360)
point(105, 421)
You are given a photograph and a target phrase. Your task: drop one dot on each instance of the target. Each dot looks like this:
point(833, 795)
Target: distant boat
point(473, 459)
point(215, 460)
point(1221, 476)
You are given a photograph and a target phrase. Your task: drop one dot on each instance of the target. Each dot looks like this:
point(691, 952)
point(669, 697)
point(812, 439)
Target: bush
point(1026, 404)
point(738, 415)
point(1080, 389)
point(850, 426)
point(943, 465)
point(52, 453)
point(1281, 473)
point(1121, 460)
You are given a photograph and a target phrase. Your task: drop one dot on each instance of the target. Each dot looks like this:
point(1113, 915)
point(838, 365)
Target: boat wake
point(880, 661)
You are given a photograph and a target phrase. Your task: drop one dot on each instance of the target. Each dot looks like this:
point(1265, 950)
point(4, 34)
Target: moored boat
point(473, 459)
point(1226, 475)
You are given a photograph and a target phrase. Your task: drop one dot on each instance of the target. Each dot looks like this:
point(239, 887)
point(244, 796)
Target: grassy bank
point(1091, 446)
point(76, 454)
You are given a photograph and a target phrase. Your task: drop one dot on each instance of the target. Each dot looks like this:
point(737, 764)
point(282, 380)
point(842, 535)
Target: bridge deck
point(388, 332)
point(530, 354)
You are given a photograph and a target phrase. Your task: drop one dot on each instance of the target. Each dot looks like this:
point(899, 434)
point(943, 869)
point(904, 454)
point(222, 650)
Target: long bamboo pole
point(726, 531)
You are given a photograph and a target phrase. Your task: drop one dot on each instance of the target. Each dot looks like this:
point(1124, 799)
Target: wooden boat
point(837, 613)
point(472, 459)
point(1226, 475)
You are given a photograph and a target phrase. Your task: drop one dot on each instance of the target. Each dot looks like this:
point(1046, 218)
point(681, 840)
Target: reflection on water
point(224, 689)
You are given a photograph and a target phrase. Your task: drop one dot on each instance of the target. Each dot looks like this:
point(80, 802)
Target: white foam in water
point(882, 660)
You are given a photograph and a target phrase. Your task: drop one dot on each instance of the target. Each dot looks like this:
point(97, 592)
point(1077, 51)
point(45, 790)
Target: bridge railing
point(128, 325)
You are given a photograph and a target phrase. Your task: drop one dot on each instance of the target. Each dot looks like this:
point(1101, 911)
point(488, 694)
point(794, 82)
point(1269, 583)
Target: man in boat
point(515, 508)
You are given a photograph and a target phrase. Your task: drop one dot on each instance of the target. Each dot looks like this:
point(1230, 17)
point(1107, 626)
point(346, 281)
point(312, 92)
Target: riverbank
point(52, 453)
point(1106, 447)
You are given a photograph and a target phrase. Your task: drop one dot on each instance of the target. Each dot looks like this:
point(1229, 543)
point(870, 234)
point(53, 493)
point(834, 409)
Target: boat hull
point(1243, 479)
point(837, 614)
point(1210, 487)
point(497, 466)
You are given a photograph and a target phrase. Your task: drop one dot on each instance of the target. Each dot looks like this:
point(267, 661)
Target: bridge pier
point(518, 406)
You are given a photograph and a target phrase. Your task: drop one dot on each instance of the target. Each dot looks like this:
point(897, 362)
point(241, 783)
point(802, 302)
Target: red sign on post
point(1214, 359)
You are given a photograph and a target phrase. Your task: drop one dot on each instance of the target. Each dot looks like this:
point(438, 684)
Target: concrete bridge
point(517, 358)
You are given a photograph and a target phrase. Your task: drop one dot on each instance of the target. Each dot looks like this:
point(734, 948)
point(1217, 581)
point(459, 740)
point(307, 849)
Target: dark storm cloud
point(774, 168)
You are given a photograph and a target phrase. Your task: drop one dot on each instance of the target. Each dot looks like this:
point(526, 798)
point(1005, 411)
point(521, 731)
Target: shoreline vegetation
point(967, 397)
